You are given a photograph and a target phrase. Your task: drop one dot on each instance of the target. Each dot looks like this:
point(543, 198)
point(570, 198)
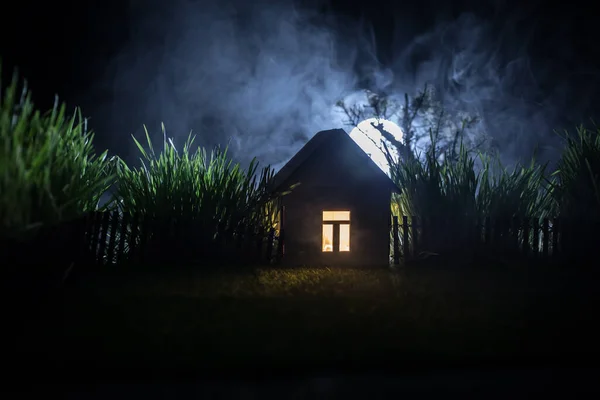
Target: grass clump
point(49, 170)
point(576, 187)
point(50, 176)
point(213, 202)
point(451, 197)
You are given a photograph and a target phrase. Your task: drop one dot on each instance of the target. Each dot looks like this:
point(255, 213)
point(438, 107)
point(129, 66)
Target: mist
point(264, 78)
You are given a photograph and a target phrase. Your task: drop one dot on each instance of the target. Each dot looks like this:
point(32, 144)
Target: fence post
point(281, 239)
point(526, 237)
point(103, 233)
point(122, 234)
point(396, 240)
point(405, 238)
point(95, 234)
point(545, 238)
point(555, 232)
point(110, 251)
point(415, 236)
point(536, 237)
point(280, 245)
point(133, 238)
point(270, 245)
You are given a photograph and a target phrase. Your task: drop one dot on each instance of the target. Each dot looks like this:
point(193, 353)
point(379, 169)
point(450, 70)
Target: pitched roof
point(322, 139)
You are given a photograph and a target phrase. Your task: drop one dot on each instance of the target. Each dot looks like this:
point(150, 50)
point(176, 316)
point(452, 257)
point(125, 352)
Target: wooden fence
point(546, 239)
point(115, 238)
point(106, 238)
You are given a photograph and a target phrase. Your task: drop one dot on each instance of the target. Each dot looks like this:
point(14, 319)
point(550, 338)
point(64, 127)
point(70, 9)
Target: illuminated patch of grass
point(327, 316)
point(265, 282)
point(324, 282)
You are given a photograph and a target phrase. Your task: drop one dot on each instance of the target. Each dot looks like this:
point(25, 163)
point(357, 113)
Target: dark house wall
point(336, 179)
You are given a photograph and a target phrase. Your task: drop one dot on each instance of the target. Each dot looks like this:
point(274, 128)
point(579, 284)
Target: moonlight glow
point(370, 140)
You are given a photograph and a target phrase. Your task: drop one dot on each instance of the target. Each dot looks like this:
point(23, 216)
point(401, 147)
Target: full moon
point(370, 140)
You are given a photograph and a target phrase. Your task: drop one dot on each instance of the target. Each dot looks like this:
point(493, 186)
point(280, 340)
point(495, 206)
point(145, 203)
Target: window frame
point(336, 223)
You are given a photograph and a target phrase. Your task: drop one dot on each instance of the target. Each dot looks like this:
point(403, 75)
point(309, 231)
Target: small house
point(339, 213)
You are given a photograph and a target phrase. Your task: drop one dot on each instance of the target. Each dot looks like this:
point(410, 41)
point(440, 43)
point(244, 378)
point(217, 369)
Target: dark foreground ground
point(315, 331)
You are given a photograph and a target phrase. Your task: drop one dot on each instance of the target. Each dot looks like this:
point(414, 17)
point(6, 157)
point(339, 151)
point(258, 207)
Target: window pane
point(327, 237)
point(344, 237)
point(336, 215)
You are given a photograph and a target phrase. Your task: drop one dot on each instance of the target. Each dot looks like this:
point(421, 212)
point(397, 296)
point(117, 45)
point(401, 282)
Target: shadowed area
point(308, 320)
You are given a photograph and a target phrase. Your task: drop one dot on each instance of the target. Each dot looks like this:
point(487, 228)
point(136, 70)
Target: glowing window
point(336, 231)
point(327, 237)
point(344, 237)
point(336, 215)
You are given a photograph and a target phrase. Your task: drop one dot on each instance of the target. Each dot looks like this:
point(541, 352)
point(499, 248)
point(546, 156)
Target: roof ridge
point(309, 149)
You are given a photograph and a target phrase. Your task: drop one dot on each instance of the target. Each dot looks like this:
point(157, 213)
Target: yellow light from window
point(336, 215)
point(344, 237)
point(327, 237)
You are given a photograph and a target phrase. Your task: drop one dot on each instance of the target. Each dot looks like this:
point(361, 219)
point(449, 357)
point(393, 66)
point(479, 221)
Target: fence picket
point(396, 240)
point(405, 238)
point(95, 221)
point(110, 250)
point(134, 238)
point(536, 237)
point(122, 237)
point(112, 237)
point(103, 235)
point(526, 231)
point(269, 255)
point(545, 238)
point(555, 233)
point(415, 235)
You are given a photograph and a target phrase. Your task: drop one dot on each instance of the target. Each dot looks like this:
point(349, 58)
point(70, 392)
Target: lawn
point(313, 318)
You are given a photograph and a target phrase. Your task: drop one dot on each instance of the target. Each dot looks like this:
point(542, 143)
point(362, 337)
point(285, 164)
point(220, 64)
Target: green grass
point(208, 200)
point(313, 317)
point(49, 169)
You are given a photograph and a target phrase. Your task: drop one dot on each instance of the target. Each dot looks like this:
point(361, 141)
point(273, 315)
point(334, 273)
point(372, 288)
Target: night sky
point(77, 50)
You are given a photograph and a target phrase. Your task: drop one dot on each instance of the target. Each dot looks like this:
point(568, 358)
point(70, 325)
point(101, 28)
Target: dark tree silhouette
point(420, 117)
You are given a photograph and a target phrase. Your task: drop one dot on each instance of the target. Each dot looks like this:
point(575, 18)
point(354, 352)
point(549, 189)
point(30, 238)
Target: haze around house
point(264, 77)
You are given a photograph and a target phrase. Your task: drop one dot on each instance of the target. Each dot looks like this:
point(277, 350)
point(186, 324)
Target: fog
point(264, 77)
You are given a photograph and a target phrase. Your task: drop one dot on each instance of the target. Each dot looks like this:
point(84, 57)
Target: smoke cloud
point(265, 77)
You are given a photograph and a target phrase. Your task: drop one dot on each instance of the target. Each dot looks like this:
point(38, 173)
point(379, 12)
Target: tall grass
point(434, 188)
point(49, 170)
point(451, 197)
point(576, 189)
point(459, 192)
point(576, 184)
point(211, 198)
point(518, 193)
